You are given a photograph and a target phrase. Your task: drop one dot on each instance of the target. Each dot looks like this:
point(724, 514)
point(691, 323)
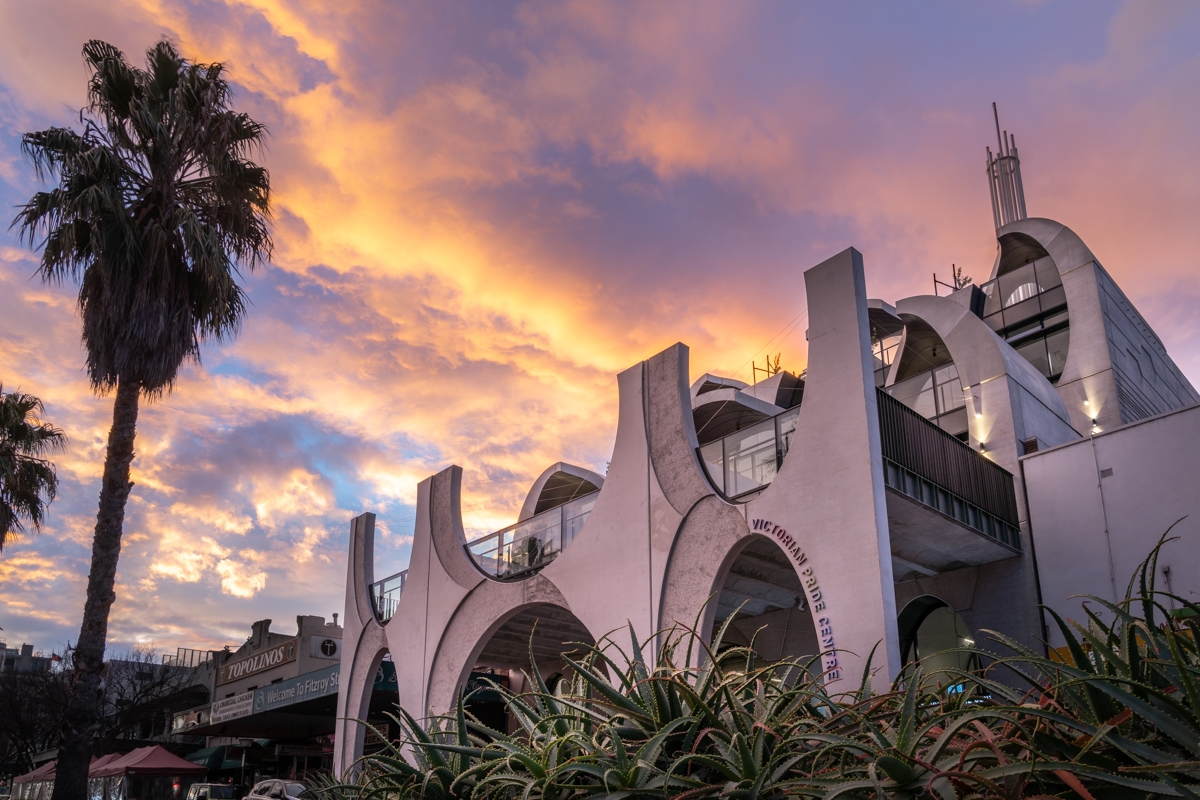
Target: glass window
point(1047, 273)
point(917, 394)
point(1056, 347)
point(1053, 299)
point(714, 463)
point(575, 513)
point(787, 429)
point(1022, 331)
point(1021, 311)
point(1018, 285)
point(995, 321)
point(954, 423)
point(949, 372)
point(1035, 353)
point(750, 459)
point(884, 350)
point(1050, 320)
point(950, 396)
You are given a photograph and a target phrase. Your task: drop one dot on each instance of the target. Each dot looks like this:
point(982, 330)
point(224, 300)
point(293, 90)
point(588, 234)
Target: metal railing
point(920, 460)
point(187, 657)
point(532, 543)
point(385, 594)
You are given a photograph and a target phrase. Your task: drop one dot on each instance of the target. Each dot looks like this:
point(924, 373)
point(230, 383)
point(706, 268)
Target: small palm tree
point(27, 479)
point(156, 209)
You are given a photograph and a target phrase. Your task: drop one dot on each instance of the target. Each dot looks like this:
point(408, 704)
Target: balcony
point(532, 543)
point(385, 594)
point(925, 468)
point(948, 506)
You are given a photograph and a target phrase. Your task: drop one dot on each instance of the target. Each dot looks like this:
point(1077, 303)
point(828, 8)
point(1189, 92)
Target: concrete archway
point(507, 610)
point(763, 598)
point(551, 632)
point(929, 627)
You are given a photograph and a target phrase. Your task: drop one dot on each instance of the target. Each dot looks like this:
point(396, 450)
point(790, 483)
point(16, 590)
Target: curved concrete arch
point(356, 685)
point(1086, 382)
point(671, 430)
point(1062, 243)
point(914, 613)
point(986, 365)
point(694, 573)
point(528, 508)
point(477, 618)
point(446, 528)
point(368, 642)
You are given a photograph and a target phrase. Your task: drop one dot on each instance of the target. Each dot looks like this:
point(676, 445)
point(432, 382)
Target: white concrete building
point(945, 465)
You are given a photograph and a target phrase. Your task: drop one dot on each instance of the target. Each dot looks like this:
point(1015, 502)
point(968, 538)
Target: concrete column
point(827, 506)
point(363, 645)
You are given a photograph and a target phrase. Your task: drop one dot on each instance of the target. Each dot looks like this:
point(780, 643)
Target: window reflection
point(750, 458)
point(935, 395)
point(747, 461)
point(1026, 307)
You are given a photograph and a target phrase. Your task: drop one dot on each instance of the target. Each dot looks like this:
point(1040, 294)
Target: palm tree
point(156, 209)
point(27, 480)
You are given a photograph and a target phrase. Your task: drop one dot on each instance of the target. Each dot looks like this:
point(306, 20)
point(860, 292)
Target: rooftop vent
point(1004, 178)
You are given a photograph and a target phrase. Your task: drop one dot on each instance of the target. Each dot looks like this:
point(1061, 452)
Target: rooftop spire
point(1004, 178)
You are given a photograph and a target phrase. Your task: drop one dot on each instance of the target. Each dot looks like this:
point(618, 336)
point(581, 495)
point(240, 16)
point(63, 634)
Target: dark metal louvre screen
point(915, 443)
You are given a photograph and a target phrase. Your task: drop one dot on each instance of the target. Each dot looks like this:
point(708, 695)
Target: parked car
point(211, 791)
point(278, 790)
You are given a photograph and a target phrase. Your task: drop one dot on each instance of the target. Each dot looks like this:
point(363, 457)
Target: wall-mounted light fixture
point(1095, 426)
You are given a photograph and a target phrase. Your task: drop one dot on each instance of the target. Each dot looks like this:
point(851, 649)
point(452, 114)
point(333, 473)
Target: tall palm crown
point(27, 479)
point(156, 207)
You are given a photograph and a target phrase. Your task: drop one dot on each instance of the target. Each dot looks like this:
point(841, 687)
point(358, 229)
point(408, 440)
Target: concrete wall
point(1147, 380)
point(1092, 528)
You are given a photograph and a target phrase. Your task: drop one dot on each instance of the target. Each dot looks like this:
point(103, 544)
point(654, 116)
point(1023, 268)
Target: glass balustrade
point(385, 594)
point(532, 543)
point(746, 461)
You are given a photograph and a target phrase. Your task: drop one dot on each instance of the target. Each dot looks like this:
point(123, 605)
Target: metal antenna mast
point(1004, 178)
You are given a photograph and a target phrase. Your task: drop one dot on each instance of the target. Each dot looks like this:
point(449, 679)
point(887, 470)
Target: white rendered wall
point(1091, 532)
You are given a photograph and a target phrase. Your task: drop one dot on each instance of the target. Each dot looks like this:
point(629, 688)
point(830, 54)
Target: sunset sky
point(484, 212)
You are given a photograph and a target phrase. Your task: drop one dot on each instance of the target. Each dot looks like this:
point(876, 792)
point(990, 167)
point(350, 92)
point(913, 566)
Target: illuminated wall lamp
point(1095, 426)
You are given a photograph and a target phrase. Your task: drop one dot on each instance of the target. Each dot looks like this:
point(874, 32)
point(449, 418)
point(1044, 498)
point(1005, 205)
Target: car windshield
point(294, 789)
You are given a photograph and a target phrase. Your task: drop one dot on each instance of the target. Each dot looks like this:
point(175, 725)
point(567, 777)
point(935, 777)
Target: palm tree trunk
point(82, 718)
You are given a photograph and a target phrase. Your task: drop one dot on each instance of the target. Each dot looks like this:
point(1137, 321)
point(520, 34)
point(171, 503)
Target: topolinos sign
point(245, 667)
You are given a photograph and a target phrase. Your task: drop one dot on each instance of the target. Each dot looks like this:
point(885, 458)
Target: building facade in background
point(943, 466)
point(271, 703)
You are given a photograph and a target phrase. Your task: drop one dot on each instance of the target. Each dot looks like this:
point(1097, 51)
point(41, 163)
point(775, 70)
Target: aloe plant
point(1117, 718)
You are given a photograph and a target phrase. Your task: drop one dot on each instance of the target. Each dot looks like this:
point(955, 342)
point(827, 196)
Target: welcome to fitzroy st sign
point(245, 667)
